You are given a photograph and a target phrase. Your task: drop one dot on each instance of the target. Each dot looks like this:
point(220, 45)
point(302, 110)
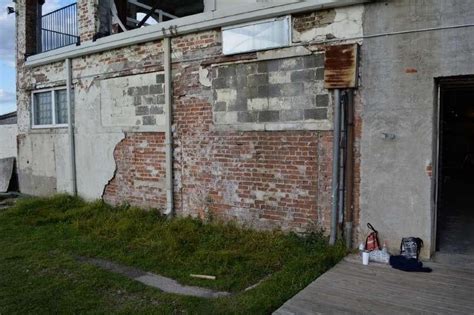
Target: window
point(261, 35)
point(50, 108)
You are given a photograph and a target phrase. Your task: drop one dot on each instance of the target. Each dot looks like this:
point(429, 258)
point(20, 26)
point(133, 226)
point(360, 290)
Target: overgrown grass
point(41, 237)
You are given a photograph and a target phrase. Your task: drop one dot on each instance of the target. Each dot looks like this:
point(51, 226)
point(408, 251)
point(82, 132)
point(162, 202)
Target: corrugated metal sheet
point(8, 119)
point(340, 66)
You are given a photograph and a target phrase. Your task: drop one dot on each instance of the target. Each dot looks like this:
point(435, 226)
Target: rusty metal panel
point(340, 66)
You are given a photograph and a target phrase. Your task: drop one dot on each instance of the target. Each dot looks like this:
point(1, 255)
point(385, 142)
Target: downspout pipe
point(349, 178)
point(70, 127)
point(335, 165)
point(168, 125)
point(342, 158)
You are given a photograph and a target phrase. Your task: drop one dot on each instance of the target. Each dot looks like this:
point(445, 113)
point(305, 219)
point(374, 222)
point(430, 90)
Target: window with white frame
point(50, 108)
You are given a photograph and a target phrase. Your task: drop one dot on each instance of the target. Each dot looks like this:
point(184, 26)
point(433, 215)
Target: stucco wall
point(399, 97)
point(8, 140)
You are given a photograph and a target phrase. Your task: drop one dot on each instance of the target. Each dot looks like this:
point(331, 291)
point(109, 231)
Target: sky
point(7, 52)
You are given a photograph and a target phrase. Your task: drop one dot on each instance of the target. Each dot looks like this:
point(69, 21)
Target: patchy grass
point(39, 239)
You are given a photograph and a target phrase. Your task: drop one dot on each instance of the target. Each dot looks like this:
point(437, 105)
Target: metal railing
point(59, 28)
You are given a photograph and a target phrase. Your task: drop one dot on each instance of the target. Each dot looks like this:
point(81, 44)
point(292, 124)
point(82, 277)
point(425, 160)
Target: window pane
point(43, 109)
point(61, 107)
point(258, 36)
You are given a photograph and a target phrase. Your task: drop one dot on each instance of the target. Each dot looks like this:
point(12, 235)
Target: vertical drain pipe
point(168, 132)
point(349, 182)
point(342, 158)
point(335, 165)
point(70, 127)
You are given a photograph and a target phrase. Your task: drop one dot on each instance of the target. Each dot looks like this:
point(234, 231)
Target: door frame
point(439, 84)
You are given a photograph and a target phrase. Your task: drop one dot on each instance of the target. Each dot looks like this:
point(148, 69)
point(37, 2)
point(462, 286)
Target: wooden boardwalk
point(351, 288)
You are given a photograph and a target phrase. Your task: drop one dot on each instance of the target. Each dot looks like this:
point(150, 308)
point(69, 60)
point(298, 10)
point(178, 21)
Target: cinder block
point(149, 100)
point(239, 82)
point(156, 110)
point(269, 116)
point(143, 90)
point(285, 89)
point(291, 64)
point(220, 106)
point(156, 89)
point(226, 71)
point(257, 104)
point(251, 92)
point(220, 83)
point(160, 99)
point(240, 104)
point(314, 61)
point(279, 77)
point(132, 91)
point(149, 120)
point(320, 74)
point(263, 91)
point(245, 117)
point(160, 78)
point(316, 113)
point(322, 100)
point(272, 65)
point(137, 100)
point(257, 79)
point(142, 110)
point(291, 115)
point(246, 69)
point(225, 95)
point(304, 75)
point(262, 67)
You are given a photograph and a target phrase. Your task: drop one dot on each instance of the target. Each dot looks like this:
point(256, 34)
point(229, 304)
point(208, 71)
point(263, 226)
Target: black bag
point(408, 264)
point(410, 247)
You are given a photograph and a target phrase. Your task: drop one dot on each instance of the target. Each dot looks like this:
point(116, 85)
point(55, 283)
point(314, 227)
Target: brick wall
point(264, 179)
point(260, 178)
point(140, 174)
point(87, 19)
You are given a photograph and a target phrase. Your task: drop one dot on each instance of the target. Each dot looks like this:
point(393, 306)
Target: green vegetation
point(40, 238)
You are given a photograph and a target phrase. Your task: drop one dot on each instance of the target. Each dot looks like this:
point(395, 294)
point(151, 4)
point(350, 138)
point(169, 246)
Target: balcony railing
point(59, 29)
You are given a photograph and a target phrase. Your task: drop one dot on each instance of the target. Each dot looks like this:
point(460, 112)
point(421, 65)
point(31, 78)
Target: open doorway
point(455, 221)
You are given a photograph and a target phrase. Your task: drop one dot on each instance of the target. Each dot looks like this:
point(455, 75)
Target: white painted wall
point(8, 140)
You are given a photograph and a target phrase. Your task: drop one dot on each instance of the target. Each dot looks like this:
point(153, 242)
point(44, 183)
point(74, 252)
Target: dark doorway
point(455, 230)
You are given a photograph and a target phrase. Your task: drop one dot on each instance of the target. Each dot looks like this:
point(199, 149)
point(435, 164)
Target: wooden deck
point(351, 288)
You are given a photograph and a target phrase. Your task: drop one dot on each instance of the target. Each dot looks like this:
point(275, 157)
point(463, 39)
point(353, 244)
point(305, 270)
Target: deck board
point(351, 288)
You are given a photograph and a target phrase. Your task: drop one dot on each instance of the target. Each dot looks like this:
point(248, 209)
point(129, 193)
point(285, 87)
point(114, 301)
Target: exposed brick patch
point(140, 175)
point(306, 21)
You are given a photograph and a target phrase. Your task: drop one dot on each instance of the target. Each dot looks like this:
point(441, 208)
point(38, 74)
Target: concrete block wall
point(271, 91)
